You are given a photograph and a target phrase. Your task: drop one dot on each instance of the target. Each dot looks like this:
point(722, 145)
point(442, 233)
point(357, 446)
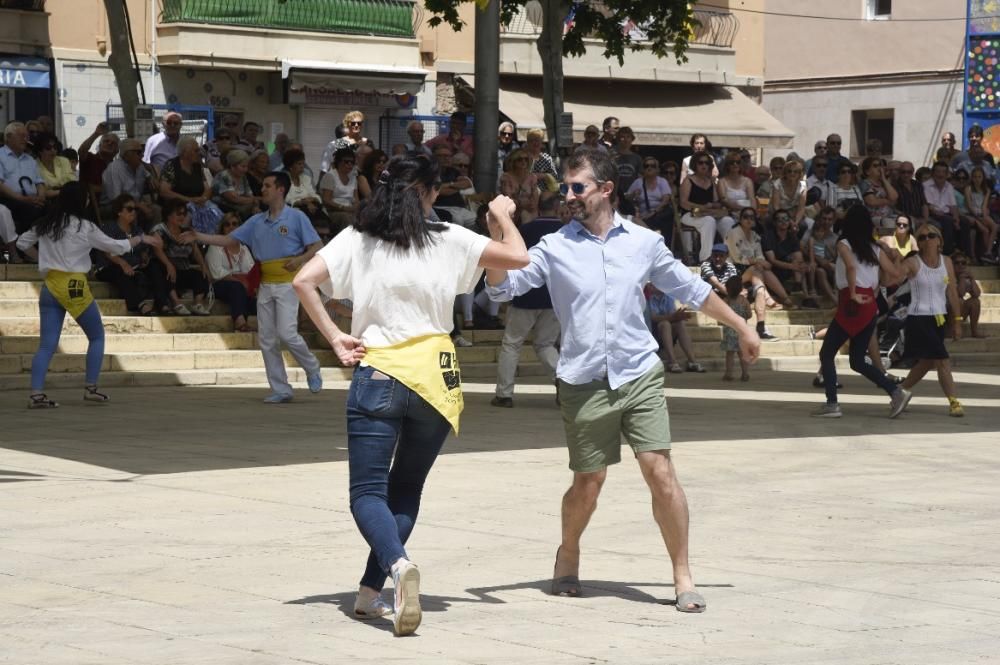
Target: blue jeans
point(858, 349)
point(52, 316)
point(386, 417)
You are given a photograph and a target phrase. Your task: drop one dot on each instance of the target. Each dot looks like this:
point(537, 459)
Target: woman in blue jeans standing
point(402, 272)
point(64, 240)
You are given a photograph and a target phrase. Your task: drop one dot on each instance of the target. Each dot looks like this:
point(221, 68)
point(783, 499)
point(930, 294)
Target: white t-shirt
point(221, 264)
point(400, 294)
point(71, 253)
point(867, 274)
point(343, 195)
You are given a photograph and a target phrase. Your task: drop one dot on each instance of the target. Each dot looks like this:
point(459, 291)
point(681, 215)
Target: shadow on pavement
point(182, 429)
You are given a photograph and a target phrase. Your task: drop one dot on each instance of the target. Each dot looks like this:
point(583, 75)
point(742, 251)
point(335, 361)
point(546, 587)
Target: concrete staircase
point(157, 351)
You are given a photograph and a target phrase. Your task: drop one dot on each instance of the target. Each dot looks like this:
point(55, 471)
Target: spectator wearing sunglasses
point(339, 191)
point(845, 192)
point(128, 271)
point(506, 144)
point(521, 185)
point(943, 206)
point(456, 138)
point(911, 202)
point(129, 175)
point(248, 139)
point(700, 202)
point(933, 294)
point(232, 274)
point(162, 147)
point(902, 242)
point(652, 197)
point(231, 189)
point(55, 170)
point(22, 188)
point(215, 152)
point(353, 126)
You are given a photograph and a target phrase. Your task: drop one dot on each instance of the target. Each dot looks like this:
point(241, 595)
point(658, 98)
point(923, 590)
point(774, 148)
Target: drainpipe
point(152, 51)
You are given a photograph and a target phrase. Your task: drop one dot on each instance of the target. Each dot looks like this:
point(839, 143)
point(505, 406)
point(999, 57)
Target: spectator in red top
point(92, 165)
point(455, 138)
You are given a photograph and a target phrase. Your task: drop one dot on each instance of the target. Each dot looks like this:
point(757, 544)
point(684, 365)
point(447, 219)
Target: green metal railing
point(389, 18)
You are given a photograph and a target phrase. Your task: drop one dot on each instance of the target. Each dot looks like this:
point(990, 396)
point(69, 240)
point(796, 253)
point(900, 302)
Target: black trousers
point(133, 289)
point(25, 214)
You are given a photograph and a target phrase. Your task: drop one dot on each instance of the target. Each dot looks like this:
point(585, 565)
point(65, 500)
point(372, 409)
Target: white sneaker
point(406, 592)
point(199, 310)
point(462, 342)
point(367, 607)
point(900, 398)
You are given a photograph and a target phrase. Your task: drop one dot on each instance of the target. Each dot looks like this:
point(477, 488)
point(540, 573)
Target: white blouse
point(71, 253)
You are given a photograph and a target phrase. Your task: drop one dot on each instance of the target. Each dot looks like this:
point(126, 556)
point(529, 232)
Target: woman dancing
point(402, 272)
point(64, 241)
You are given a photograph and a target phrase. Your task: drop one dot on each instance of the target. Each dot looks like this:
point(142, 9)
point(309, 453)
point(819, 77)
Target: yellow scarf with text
point(429, 367)
point(71, 290)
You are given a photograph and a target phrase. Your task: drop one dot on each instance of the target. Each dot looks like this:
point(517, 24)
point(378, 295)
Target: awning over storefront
point(332, 76)
point(658, 113)
point(24, 72)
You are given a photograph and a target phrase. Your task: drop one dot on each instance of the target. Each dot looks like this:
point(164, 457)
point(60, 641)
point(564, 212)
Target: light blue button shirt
point(269, 239)
point(15, 167)
point(597, 294)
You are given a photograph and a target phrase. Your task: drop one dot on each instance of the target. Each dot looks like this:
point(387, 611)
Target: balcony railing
point(386, 18)
point(713, 29)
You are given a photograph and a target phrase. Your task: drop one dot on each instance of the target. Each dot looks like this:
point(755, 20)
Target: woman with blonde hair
point(354, 124)
point(520, 184)
point(541, 162)
point(789, 193)
point(932, 288)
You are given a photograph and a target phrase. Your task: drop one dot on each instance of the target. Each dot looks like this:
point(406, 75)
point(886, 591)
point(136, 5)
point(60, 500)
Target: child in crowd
point(968, 293)
point(730, 340)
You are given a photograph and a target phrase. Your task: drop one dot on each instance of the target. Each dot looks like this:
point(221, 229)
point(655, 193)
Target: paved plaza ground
point(195, 525)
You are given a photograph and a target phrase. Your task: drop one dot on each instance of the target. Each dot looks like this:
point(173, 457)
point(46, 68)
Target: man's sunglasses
point(902, 226)
point(578, 188)
point(506, 133)
point(927, 236)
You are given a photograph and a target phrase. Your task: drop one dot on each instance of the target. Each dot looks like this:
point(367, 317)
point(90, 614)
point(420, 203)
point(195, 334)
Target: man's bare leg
point(578, 504)
point(670, 510)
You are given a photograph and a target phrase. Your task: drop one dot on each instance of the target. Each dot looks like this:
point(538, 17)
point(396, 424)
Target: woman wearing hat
point(231, 190)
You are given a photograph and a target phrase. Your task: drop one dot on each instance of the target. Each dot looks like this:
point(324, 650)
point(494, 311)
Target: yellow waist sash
point(71, 290)
point(273, 271)
point(429, 367)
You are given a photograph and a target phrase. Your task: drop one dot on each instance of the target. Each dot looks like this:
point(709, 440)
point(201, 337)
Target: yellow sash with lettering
point(429, 367)
point(273, 271)
point(71, 290)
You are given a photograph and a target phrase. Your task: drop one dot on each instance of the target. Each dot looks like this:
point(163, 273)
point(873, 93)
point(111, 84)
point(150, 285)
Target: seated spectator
point(943, 206)
point(127, 271)
point(370, 172)
point(339, 191)
point(671, 173)
point(669, 322)
point(415, 146)
point(969, 293)
point(55, 170)
point(878, 193)
point(901, 243)
point(652, 197)
point(911, 202)
point(747, 254)
point(8, 235)
point(450, 202)
point(456, 138)
point(506, 143)
point(231, 189)
point(129, 175)
point(248, 139)
point(281, 144)
point(700, 202)
point(718, 269)
point(784, 252)
point(301, 194)
point(161, 148)
point(215, 152)
point(730, 339)
point(183, 179)
point(977, 201)
point(630, 167)
point(975, 136)
point(232, 276)
point(353, 128)
point(74, 159)
point(92, 165)
point(478, 311)
point(592, 140)
point(22, 188)
point(520, 184)
point(788, 193)
point(179, 267)
point(699, 144)
point(735, 192)
point(923, 174)
point(541, 162)
point(819, 152)
point(257, 169)
point(845, 193)
point(947, 151)
point(821, 256)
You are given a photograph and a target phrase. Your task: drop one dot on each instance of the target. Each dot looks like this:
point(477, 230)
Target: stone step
point(13, 307)
point(139, 342)
point(28, 325)
point(101, 290)
point(156, 361)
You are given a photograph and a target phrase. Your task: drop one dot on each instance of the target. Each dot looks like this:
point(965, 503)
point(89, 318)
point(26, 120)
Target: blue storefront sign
point(24, 73)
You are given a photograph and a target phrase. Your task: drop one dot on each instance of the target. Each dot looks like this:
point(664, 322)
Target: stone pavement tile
point(20, 651)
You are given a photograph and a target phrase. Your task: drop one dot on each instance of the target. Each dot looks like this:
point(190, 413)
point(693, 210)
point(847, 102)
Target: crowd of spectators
point(759, 234)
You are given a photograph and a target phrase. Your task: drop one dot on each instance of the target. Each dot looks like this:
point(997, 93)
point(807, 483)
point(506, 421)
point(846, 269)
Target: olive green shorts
point(597, 417)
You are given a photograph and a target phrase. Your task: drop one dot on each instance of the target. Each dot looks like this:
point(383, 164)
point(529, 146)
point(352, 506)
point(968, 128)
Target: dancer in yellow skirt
point(65, 238)
point(402, 273)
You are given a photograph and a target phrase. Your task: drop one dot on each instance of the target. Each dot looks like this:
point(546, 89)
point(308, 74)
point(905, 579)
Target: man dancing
point(610, 377)
point(282, 239)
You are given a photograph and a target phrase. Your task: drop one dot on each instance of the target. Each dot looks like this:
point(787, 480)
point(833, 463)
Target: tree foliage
point(667, 25)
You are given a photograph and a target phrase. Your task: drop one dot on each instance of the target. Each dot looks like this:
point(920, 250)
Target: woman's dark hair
point(984, 186)
point(734, 286)
point(73, 201)
point(40, 141)
point(291, 156)
point(341, 155)
point(368, 170)
point(120, 202)
point(170, 206)
point(857, 229)
point(395, 212)
point(867, 164)
point(71, 154)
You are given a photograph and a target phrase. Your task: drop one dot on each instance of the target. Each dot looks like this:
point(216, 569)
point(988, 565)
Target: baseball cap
point(720, 248)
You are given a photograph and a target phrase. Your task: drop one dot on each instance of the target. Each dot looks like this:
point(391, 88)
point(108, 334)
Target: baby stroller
point(891, 336)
